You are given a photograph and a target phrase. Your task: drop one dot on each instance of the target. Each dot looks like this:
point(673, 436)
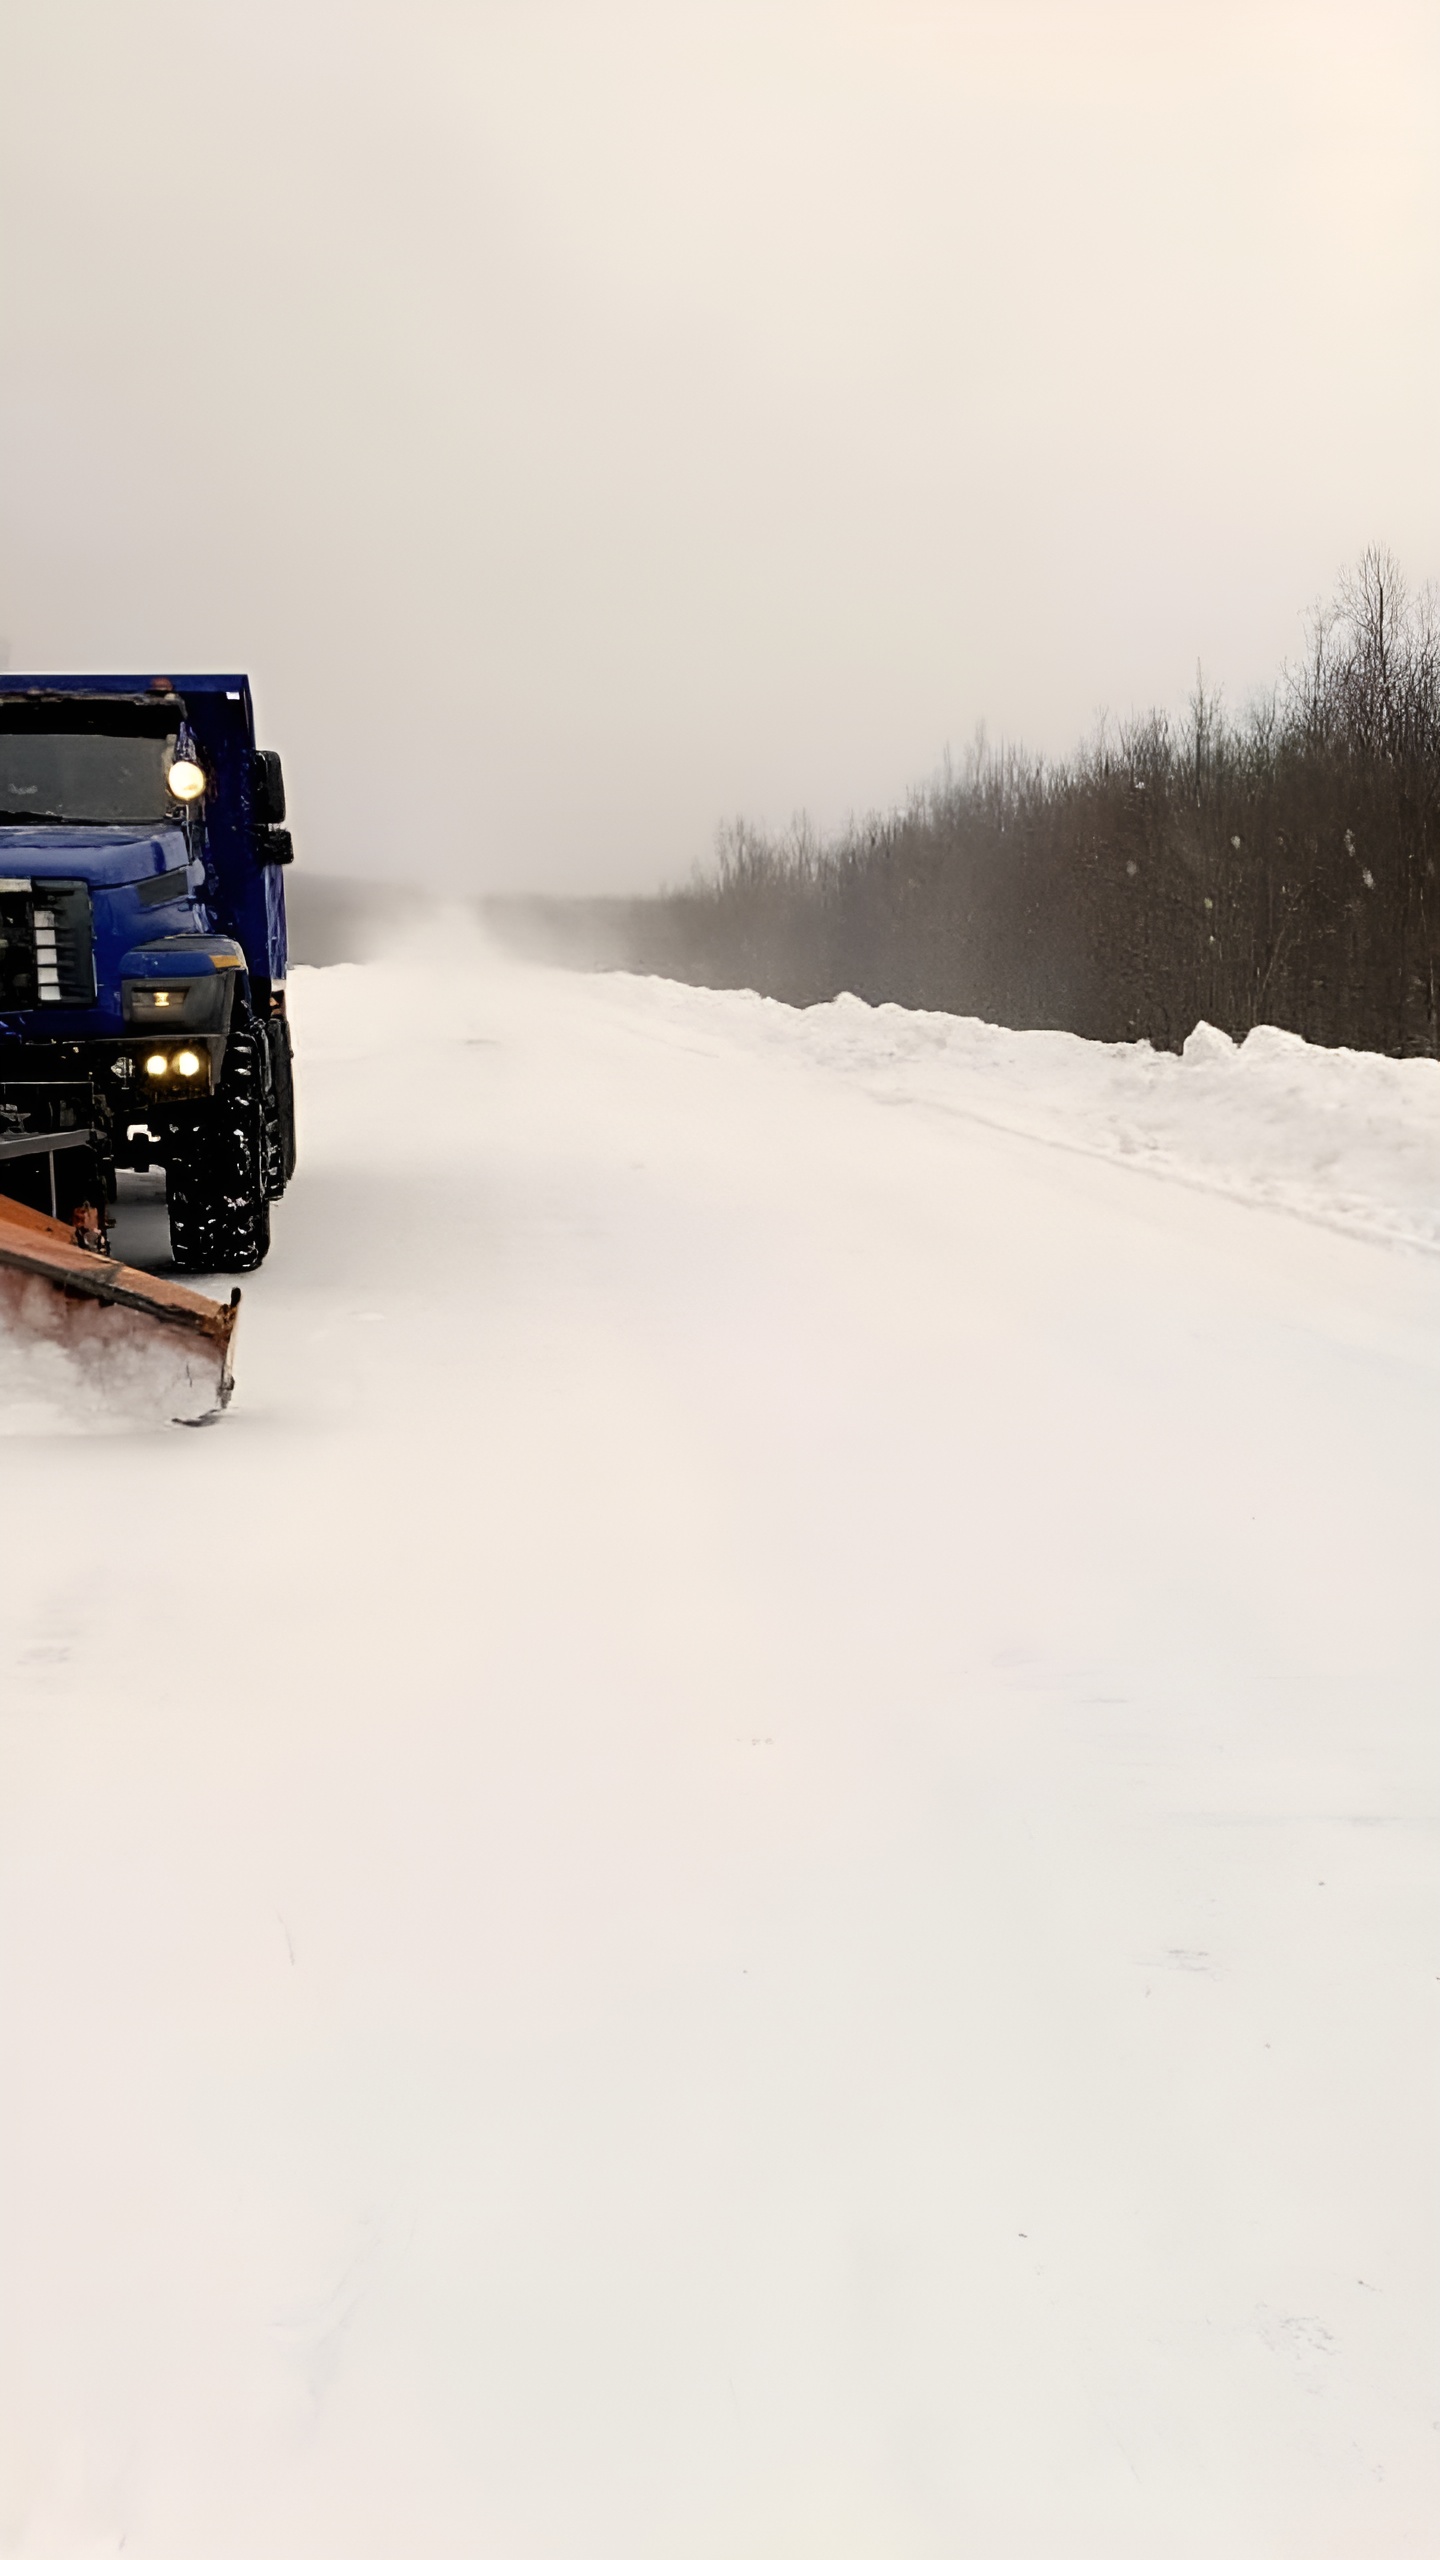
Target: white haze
point(589, 422)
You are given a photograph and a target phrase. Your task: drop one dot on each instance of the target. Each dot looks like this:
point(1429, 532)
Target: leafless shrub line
point(1278, 867)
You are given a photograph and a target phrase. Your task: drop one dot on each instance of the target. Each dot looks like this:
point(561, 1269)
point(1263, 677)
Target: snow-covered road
point(747, 1870)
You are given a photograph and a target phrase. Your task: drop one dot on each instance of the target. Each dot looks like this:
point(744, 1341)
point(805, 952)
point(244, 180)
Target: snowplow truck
point(142, 960)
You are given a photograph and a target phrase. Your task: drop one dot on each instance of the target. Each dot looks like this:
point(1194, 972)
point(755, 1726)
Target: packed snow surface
point(746, 1870)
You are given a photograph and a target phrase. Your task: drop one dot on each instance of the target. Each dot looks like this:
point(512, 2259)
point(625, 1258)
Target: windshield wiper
point(46, 818)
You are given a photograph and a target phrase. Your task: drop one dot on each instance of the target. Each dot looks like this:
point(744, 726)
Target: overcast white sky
point(589, 422)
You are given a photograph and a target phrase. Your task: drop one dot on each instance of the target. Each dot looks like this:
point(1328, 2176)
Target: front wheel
point(216, 1167)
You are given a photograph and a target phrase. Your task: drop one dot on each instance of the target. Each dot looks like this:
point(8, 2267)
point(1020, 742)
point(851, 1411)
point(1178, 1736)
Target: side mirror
point(272, 844)
point(267, 789)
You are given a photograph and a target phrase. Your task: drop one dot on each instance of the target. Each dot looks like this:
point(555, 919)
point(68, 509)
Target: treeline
point(1279, 867)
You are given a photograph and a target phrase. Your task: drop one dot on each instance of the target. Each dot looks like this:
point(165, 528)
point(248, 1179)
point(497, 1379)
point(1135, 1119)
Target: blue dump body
point(146, 883)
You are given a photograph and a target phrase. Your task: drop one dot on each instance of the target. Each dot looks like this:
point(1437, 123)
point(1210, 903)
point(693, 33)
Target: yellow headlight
point(186, 1063)
point(186, 779)
point(157, 1066)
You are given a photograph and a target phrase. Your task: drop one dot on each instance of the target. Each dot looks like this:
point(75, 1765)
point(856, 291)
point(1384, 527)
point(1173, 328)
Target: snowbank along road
point(746, 1870)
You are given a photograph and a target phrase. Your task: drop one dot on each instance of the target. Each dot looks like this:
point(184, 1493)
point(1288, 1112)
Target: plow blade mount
point(97, 1296)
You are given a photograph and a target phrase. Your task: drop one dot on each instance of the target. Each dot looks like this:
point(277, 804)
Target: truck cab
point(143, 955)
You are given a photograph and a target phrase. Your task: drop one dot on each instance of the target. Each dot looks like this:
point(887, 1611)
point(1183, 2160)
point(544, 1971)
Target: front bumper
point(51, 1081)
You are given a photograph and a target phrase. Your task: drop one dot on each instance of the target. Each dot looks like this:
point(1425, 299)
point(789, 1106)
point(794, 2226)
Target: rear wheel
point(279, 1108)
point(216, 1165)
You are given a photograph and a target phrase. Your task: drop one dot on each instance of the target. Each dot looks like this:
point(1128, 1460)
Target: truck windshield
point(83, 776)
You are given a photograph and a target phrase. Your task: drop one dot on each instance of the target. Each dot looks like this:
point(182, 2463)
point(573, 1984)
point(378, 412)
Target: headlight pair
point(179, 1062)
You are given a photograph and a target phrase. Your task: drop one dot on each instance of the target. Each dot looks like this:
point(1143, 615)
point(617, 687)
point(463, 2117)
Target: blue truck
point(143, 957)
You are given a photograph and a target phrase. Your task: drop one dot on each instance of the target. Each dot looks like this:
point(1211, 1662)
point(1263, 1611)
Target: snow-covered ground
point(746, 1871)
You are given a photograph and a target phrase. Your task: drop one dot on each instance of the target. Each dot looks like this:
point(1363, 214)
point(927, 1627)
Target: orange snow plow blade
point(40, 1248)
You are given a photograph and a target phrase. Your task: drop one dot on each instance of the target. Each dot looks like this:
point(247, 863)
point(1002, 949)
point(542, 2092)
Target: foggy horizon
point(591, 426)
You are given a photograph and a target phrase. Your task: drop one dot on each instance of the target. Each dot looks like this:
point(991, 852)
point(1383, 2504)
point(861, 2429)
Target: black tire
point(216, 1164)
point(280, 1108)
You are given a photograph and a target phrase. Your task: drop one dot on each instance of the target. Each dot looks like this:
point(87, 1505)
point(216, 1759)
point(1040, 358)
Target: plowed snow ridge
point(1336, 1135)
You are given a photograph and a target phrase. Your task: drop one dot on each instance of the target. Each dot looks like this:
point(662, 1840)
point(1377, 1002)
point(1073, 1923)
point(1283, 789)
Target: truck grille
point(46, 952)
